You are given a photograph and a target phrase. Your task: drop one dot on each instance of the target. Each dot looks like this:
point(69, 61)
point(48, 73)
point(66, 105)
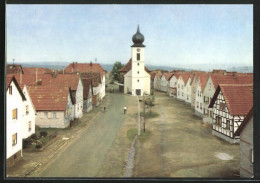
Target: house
point(199, 108)
point(187, 89)
point(152, 79)
point(231, 103)
point(165, 81)
point(96, 84)
point(53, 105)
point(14, 69)
point(211, 86)
point(173, 85)
point(76, 67)
point(72, 81)
point(14, 114)
point(87, 94)
point(245, 131)
point(180, 86)
point(157, 81)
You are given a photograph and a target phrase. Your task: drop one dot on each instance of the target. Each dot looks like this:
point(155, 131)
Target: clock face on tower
point(138, 49)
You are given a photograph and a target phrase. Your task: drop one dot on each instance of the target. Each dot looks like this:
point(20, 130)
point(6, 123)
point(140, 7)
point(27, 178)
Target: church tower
point(140, 78)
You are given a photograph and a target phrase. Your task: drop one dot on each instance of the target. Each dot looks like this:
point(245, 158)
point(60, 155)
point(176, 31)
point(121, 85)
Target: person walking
point(104, 108)
point(124, 110)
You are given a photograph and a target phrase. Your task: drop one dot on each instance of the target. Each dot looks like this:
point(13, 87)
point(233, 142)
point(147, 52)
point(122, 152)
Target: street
point(85, 156)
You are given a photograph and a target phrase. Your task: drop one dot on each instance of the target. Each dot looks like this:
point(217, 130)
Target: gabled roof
point(238, 97)
point(152, 75)
point(67, 80)
point(203, 80)
point(49, 98)
point(223, 79)
point(94, 76)
point(32, 70)
point(9, 80)
point(185, 77)
point(128, 66)
point(85, 67)
point(13, 68)
point(167, 76)
point(30, 79)
point(86, 86)
point(245, 121)
point(159, 75)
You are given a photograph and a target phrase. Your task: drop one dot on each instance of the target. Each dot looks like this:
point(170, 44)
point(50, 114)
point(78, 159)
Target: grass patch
point(149, 115)
point(131, 133)
point(144, 135)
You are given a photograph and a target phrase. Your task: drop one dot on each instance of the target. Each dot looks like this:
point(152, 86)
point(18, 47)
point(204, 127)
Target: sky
point(174, 34)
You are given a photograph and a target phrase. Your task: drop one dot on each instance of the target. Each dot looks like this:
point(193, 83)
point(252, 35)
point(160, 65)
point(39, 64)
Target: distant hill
point(108, 67)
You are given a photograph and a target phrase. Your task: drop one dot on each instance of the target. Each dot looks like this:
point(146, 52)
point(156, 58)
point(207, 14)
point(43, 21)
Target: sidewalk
point(33, 161)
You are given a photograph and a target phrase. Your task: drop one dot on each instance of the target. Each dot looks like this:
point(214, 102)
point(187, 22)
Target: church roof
point(138, 39)
point(128, 67)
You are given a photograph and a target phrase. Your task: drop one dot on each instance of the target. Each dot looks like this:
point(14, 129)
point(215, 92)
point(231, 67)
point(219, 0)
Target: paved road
point(85, 156)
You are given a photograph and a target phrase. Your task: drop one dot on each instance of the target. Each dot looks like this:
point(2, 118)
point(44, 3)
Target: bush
point(38, 146)
point(111, 82)
point(34, 136)
point(43, 134)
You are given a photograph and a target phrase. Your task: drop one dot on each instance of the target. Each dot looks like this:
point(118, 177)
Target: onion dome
point(138, 39)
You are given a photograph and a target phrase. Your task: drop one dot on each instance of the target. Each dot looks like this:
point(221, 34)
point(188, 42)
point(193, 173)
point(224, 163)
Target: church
point(136, 75)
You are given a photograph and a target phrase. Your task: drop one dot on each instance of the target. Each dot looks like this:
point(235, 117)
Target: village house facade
point(87, 95)
point(173, 85)
point(157, 81)
point(230, 103)
point(14, 123)
point(181, 86)
point(187, 89)
point(245, 131)
point(165, 81)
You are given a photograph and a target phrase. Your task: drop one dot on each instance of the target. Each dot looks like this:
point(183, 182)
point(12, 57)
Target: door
point(138, 91)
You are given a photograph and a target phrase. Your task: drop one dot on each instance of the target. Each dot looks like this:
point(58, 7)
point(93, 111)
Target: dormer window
point(10, 90)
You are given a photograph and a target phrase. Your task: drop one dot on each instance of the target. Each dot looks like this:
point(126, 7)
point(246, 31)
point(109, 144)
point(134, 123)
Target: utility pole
point(144, 110)
point(138, 119)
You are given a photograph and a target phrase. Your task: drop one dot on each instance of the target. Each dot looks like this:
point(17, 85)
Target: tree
point(116, 75)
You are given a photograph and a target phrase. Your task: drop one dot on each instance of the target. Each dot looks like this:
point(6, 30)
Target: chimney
point(39, 82)
point(234, 74)
point(90, 63)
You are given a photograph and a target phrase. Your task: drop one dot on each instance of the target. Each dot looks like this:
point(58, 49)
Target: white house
point(157, 81)
point(211, 85)
point(202, 79)
point(14, 113)
point(231, 103)
point(165, 81)
point(187, 90)
point(180, 86)
point(87, 94)
point(137, 79)
point(173, 85)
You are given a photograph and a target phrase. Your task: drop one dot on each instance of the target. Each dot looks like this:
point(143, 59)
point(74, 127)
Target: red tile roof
point(203, 78)
point(32, 70)
point(49, 98)
point(9, 80)
point(67, 80)
point(167, 75)
point(152, 75)
point(223, 79)
point(94, 76)
point(85, 67)
point(86, 86)
point(128, 66)
point(238, 97)
point(13, 68)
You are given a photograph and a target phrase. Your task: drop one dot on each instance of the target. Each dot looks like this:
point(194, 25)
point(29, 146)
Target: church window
point(137, 72)
point(138, 56)
point(138, 64)
point(138, 80)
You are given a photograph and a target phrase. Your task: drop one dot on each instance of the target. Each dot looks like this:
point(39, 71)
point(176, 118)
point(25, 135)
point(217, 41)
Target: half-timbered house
point(230, 103)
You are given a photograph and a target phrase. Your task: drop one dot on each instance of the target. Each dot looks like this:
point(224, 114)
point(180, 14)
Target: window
point(14, 114)
point(222, 106)
point(27, 109)
point(197, 104)
point(228, 125)
point(218, 120)
point(138, 64)
point(200, 106)
point(137, 72)
point(138, 56)
point(54, 115)
point(10, 90)
point(14, 139)
point(198, 93)
point(138, 80)
point(251, 155)
point(178, 93)
point(46, 115)
point(211, 114)
point(178, 85)
point(29, 126)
